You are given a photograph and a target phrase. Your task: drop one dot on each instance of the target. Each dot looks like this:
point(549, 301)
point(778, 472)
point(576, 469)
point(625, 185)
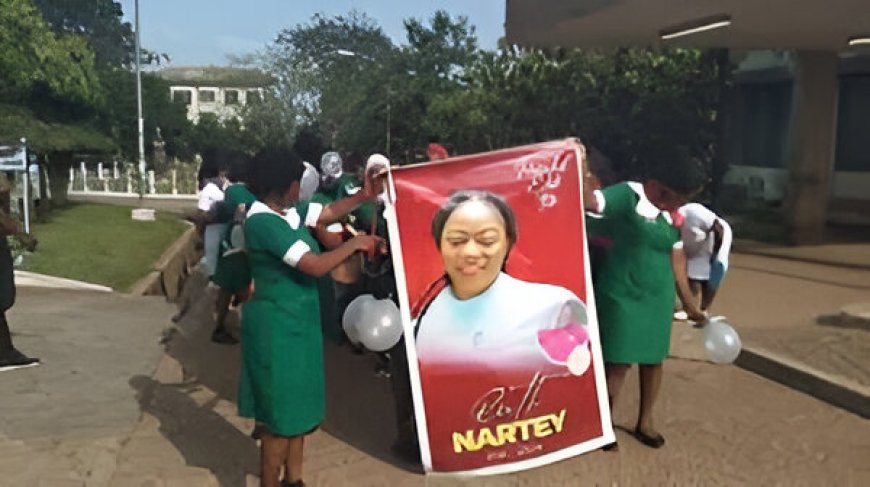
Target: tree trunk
point(58, 175)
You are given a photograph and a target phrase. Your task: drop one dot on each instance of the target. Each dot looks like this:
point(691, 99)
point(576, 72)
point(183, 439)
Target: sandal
point(656, 441)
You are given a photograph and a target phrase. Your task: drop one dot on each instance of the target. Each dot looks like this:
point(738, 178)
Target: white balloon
point(353, 315)
point(380, 328)
point(721, 341)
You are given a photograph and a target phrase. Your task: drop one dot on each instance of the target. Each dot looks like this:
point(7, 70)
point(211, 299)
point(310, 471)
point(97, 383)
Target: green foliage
point(40, 67)
point(118, 116)
point(43, 136)
point(329, 89)
point(100, 23)
point(269, 123)
point(101, 244)
point(636, 105)
point(212, 133)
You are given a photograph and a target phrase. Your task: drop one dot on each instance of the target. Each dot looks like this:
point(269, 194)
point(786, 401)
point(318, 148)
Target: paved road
point(774, 303)
point(73, 421)
point(65, 420)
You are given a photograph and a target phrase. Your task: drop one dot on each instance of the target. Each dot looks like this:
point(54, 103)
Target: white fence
point(117, 178)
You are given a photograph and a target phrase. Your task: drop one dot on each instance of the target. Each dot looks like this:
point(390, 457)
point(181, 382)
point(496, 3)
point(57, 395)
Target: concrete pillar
point(84, 177)
point(151, 183)
point(812, 144)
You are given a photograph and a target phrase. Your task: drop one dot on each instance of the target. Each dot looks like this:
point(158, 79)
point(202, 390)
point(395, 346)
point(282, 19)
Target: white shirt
point(699, 240)
point(309, 183)
point(497, 328)
point(209, 195)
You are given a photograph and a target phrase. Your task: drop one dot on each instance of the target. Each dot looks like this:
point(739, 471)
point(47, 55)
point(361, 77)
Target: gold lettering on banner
point(510, 406)
point(509, 433)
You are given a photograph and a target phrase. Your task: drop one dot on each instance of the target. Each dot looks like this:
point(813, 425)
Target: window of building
point(765, 122)
point(853, 124)
point(231, 97)
point(206, 96)
point(253, 96)
point(183, 96)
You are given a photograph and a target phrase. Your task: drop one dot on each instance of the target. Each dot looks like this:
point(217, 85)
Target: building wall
point(759, 123)
point(214, 99)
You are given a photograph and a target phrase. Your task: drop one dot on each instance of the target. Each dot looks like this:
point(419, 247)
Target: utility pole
point(139, 108)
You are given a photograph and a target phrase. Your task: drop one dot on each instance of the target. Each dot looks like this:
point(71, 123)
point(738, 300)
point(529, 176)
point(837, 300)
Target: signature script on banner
point(544, 175)
point(512, 405)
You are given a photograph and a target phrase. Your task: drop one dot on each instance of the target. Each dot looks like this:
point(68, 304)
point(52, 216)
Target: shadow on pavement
point(360, 408)
point(202, 436)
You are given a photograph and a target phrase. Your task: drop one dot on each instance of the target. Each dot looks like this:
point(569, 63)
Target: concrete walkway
point(64, 422)
point(776, 303)
point(725, 426)
point(109, 408)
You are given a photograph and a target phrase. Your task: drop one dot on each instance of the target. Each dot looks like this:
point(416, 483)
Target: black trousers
point(7, 295)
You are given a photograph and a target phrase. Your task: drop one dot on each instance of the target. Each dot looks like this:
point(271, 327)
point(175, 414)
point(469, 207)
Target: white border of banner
point(413, 363)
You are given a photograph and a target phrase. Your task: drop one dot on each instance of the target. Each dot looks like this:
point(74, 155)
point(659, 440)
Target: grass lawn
point(101, 244)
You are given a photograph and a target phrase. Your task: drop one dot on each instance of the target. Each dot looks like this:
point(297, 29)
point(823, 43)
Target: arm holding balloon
point(678, 264)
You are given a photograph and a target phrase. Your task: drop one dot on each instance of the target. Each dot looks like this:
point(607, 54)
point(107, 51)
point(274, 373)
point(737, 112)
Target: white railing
point(123, 179)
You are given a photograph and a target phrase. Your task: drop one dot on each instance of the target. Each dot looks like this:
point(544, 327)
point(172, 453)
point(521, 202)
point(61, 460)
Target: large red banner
point(505, 361)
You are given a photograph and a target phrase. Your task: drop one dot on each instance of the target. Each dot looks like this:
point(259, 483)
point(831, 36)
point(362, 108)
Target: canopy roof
point(755, 24)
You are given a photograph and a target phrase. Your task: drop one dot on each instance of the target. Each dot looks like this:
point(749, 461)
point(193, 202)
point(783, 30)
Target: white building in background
point(214, 89)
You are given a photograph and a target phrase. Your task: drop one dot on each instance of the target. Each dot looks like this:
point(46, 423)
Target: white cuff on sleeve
point(600, 201)
point(295, 253)
point(678, 245)
point(314, 211)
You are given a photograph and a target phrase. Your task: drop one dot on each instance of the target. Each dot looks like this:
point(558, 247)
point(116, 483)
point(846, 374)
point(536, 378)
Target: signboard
point(505, 363)
point(13, 158)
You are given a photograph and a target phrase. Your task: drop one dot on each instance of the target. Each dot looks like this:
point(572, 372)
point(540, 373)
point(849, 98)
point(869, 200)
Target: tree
point(210, 132)
point(328, 89)
point(101, 23)
point(634, 104)
point(42, 69)
point(118, 116)
point(432, 65)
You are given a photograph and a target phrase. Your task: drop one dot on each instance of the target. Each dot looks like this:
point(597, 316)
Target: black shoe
point(223, 337)
point(656, 441)
point(298, 483)
point(611, 447)
point(16, 360)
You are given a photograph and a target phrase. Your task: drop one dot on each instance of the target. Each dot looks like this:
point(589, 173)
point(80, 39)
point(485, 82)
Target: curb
point(33, 279)
point(832, 390)
point(752, 248)
point(171, 269)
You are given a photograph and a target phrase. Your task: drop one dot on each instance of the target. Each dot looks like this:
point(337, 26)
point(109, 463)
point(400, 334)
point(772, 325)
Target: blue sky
point(198, 32)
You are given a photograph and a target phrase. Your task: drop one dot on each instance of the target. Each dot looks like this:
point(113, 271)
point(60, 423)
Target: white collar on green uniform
point(644, 207)
point(291, 216)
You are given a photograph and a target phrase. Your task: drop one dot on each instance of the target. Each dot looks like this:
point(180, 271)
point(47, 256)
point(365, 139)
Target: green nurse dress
point(634, 285)
point(233, 272)
point(282, 382)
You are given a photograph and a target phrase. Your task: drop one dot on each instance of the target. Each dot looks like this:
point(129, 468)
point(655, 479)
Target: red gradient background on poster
point(542, 184)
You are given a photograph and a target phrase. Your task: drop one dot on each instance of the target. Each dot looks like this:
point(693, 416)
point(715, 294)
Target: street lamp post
point(139, 109)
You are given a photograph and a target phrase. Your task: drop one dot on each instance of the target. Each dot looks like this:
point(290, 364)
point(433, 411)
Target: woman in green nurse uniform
point(282, 382)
